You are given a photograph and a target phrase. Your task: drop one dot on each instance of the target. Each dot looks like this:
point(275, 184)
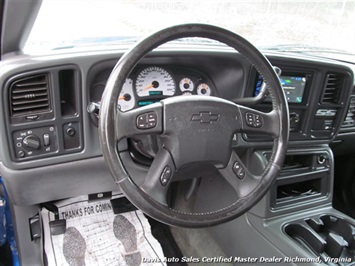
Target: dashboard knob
point(71, 131)
point(31, 142)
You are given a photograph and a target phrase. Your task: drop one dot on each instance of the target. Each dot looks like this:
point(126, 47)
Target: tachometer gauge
point(203, 89)
point(126, 99)
point(186, 84)
point(154, 81)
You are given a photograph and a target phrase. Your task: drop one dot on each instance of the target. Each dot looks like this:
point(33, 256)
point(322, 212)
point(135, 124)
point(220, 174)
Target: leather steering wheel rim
point(113, 122)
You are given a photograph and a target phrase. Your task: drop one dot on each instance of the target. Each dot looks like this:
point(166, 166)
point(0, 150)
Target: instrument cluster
point(150, 84)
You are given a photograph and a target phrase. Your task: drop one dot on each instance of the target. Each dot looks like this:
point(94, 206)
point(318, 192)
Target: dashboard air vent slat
point(349, 120)
point(332, 88)
point(30, 95)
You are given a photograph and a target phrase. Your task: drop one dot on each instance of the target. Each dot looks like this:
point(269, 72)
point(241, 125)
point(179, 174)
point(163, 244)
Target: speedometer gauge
point(126, 99)
point(155, 81)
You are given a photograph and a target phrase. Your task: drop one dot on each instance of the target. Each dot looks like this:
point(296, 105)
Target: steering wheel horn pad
point(192, 129)
point(199, 129)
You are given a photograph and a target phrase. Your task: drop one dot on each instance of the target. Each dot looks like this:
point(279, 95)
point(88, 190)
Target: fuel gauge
point(203, 89)
point(126, 99)
point(186, 84)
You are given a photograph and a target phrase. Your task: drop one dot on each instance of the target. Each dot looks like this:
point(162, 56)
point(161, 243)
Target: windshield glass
point(298, 26)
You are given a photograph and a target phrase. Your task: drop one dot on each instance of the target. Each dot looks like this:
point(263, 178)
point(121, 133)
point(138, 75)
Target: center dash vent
point(30, 95)
point(350, 117)
point(332, 88)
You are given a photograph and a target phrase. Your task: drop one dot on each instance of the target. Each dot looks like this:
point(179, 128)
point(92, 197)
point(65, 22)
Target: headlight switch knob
point(31, 142)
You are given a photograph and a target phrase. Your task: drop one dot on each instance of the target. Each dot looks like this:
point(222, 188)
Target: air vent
point(332, 88)
point(350, 117)
point(29, 95)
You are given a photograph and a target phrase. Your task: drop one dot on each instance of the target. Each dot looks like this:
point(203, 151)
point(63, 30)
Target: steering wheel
point(192, 130)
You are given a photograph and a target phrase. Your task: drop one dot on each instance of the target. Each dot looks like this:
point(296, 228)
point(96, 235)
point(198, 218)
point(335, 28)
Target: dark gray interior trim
point(266, 236)
point(29, 251)
point(60, 180)
point(88, 60)
point(19, 17)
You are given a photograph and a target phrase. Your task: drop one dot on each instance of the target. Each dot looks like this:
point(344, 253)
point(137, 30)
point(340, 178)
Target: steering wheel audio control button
point(147, 120)
point(165, 176)
point(238, 170)
point(142, 121)
point(253, 120)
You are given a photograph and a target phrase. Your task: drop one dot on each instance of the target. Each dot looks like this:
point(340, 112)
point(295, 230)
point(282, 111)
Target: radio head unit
point(293, 86)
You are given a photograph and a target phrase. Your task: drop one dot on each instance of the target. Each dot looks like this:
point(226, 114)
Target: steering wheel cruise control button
point(241, 173)
point(165, 176)
point(253, 120)
point(238, 170)
point(148, 120)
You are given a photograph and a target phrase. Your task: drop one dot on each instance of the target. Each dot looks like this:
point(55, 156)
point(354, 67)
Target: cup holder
point(329, 237)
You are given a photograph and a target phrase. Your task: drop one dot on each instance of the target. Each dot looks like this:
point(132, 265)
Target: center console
point(304, 177)
point(328, 237)
point(306, 182)
point(295, 221)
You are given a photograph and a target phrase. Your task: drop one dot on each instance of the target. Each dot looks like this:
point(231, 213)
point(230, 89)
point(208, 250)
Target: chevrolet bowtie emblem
point(205, 117)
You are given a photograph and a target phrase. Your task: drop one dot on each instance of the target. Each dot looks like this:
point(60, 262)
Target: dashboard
point(50, 106)
point(315, 90)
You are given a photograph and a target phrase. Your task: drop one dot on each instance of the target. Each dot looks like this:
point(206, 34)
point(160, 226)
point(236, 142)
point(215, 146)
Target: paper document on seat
point(97, 236)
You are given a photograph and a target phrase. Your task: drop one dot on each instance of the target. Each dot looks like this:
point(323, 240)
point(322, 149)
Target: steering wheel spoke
point(159, 177)
point(144, 120)
point(238, 176)
point(258, 122)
